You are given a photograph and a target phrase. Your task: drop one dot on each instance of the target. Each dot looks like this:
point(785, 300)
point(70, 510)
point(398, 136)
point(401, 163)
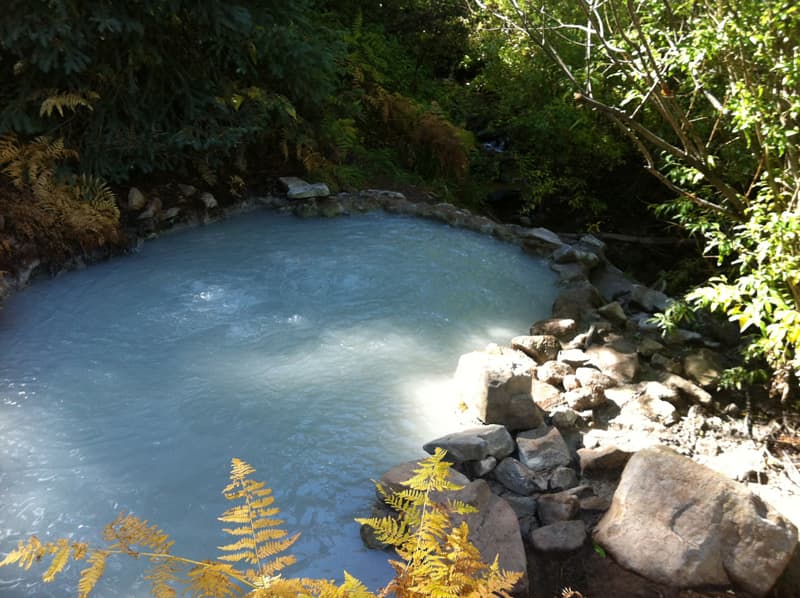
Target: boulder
point(649, 299)
point(611, 282)
point(562, 536)
point(480, 469)
point(546, 396)
point(649, 347)
point(570, 273)
point(595, 379)
point(299, 189)
point(574, 357)
point(567, 254)
point(496, 387)
point(558, 327)
point(540, 241)
point(583, 398)
point(136, 199)
point(563, 478)
point(553, 372)
point(601, 460)
point(703, 366)
point(577, 302)
point(634, 414)
point(561, 506)
point(475, 444)
point(543, 448)
point(614, 313)
point(688, 389)
point(541, 348)
point(208, 200)
point(518, 478)
point(679, 523)
point(622, 367)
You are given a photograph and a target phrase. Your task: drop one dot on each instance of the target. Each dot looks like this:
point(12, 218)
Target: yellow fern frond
point(25, 553)
point(246, 556)
point(92, 574)
point(267, 549)
point(161, 575)
point(79, 550)
point(277, 564)
point(388, 530)
point(67, 100)
point(213, 580)
point(61, 550)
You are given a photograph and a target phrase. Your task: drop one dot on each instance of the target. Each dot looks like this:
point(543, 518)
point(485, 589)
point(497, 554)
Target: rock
point(187, 190)
point(679, 523)
point(169, 214)
point(584, 398)
point(480, 469)
point(475, 444)
point(644, 407)
point(557, 507)
point(739, 463)
point(570, 273)
point(540, 241)
point(577, 302)
point(594, 379)
point(563, 536)
point(659, 392)
point(209, 201)
point(703, 366)
point(574, 357)
point(668, 364)
point(153, 208)
point(681, 336)
point(546, 396)
point(614, 313)
point(368, 536)
point(297, 188)
point(648, 347)
point(553, 372)
point(570, 382)
point(649, 299)
point(563, 478)
point(564, 418)
point(567, 254)
point(688, 389)
point(136, 199)
point(394, 480)
point(541, 348)
point(496, 387)
point(611, 282)
point(518, 478)
point(622, 367)
point(558, 327)
point(602, 460)
point(593, 244)
point(543, 448)
point(523, 506)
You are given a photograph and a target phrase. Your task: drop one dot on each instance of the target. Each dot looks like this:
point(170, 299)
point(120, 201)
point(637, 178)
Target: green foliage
point(709, 93)
point(441, 561)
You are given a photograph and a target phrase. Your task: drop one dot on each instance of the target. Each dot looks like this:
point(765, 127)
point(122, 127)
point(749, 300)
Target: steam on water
point(319, 351)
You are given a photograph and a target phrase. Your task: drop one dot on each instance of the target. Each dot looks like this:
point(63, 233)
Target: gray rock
point(649, 347)
point(642, 408)
point(557, 507)
point(577, 302)
point(558, 327)
point(570, 273)
point(688, 389)
point(496, 387)
point(518, 478)
point(622, 367)
point(649, 299)
point(574, 357)
point(659, 392)
point(136, 199)
point(614, 313)
point(584, 398)
point(553, 372)
point(523, 506)
point(563, 536)
point(540, 241)
point(567, 254)
point(703, 366)
point(187, 190)
point(543, 448)
point(681, 336)
point(679, 523)
point(611, 282)
point(594, 379)
point(480, 469)
point(475, 444)
point(602, 460)
point(169, 214)
point(563, 478)
point(570, 382)
point(541, 348)
point(668, 364)
point(208, 199)
point(546, 396)
point(297, 188)
point(153, 208)
point(564, 418)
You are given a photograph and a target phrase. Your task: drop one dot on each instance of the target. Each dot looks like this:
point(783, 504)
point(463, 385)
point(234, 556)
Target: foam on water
point(319, 351)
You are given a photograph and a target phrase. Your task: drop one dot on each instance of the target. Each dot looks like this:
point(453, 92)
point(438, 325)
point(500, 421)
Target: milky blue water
point(317, 350)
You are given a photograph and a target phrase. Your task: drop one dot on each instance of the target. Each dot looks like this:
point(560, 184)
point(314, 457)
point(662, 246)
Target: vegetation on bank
point(438, 559)
point(540, 109)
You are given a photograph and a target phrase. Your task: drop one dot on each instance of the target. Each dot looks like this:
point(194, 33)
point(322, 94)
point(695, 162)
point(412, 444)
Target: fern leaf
point(268, 549)
point(62, 551)
point(278, 563)
point(245, 543)
point(25, 553)
point(66, 101)
point(213, 580)
point(246, 556)
point(92, 574)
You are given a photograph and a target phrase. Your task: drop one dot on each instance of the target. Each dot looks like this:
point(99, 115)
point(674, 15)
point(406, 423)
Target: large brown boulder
point(682, 524)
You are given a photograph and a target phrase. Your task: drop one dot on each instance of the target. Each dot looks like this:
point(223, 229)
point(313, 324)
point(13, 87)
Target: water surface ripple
point(319, 351)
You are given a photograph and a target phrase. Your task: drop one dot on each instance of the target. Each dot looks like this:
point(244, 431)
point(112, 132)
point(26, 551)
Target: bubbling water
point(320, 351)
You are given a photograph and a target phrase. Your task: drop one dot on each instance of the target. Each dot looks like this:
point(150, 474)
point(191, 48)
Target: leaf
point(92, 574)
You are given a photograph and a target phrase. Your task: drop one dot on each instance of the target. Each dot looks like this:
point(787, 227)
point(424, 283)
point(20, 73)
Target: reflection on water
point(319, 351)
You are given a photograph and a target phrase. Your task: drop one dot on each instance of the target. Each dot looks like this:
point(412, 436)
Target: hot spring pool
point(317, 350)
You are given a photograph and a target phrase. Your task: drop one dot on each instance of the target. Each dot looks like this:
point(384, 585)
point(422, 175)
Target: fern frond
point(67, 100)
point(277, 564)
point(213, 580)
point(61, 552)
point(92, 574)
point(128, 532)
point(388, 530)
point(268, 549)
point(25, 553)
